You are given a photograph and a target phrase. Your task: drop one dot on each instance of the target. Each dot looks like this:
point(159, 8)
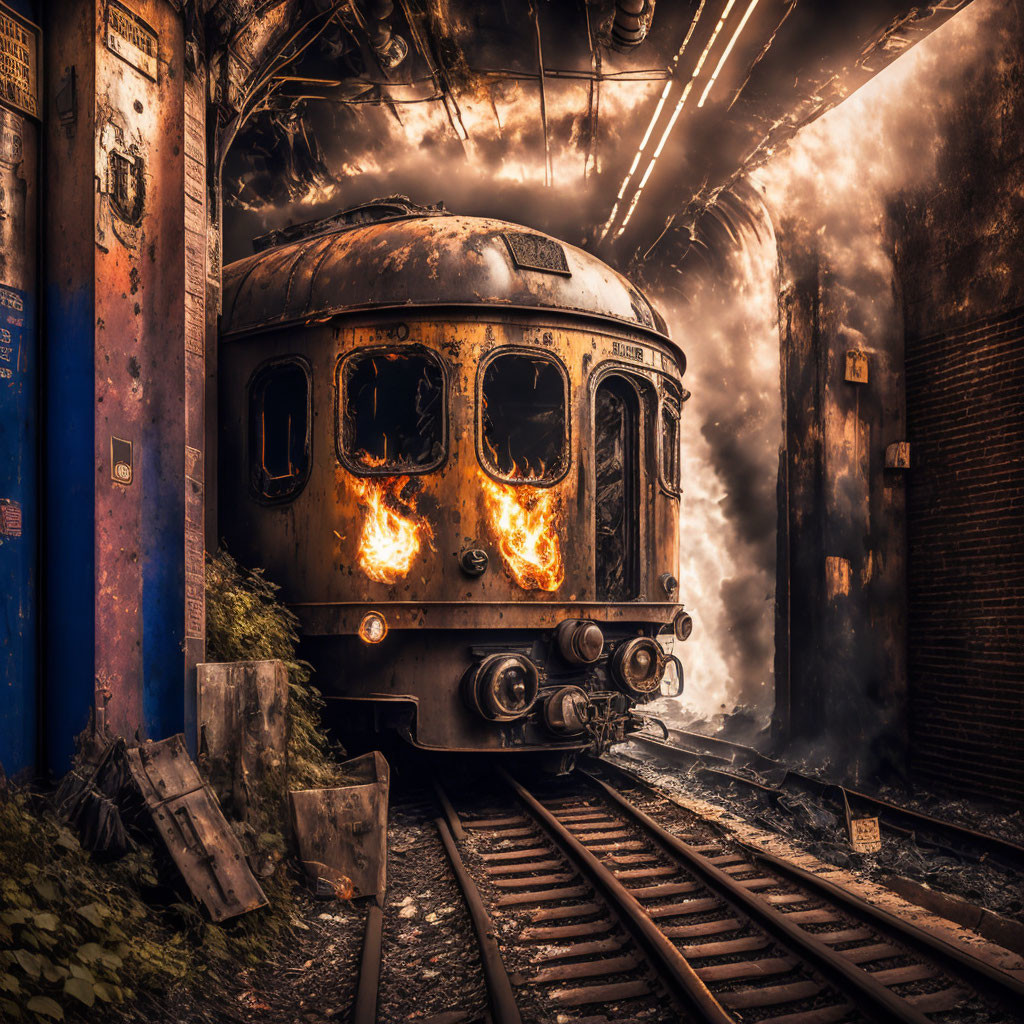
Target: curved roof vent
point(373, 212)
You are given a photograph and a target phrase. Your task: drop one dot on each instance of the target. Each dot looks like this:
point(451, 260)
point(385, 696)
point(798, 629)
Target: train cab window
point(279, 430)
point(670, 445)
point(523, 416)
point(617, 480)
point(392, 411)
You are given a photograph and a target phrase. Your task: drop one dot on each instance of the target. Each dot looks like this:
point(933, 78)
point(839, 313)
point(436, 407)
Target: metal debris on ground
point(342, 832)
point(194, 830)
point(242, 713)
point(132, 791)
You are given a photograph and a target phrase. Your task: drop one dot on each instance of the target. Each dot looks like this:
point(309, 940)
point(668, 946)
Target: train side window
point(392, 411)
point(670, 446)
point(523, 418)
point(279, 430)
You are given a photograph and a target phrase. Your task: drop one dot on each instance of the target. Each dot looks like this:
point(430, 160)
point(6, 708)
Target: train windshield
point(392, 413)
point(523, 418)
point(279, 430)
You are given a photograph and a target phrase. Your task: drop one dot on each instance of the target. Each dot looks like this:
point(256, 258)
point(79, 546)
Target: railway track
point(716, 761)
point(594, 905)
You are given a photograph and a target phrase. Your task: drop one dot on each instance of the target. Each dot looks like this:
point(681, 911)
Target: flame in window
point(393, 531)
point(523, 519)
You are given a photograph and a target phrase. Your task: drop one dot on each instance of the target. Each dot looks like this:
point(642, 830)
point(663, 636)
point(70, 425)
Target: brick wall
point(965, 504)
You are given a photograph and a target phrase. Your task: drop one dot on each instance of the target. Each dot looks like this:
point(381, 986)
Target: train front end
point(454, 442)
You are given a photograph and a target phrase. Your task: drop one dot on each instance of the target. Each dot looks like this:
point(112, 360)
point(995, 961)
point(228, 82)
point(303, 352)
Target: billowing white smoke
point(832, 183)
point(731, 434)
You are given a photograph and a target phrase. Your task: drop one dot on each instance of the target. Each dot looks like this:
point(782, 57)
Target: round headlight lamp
point(503, 687)
point(682, 625)
point(373, 627)
point(565, 710)
point(638, 665)
point(580, 641)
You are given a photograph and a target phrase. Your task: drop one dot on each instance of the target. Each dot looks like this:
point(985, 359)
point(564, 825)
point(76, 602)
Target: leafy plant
point(246, 622)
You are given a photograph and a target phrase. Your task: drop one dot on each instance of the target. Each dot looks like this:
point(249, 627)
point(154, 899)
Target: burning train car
point(455, 442)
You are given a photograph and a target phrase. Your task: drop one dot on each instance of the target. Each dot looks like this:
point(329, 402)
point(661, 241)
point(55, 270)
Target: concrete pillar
point(126, 285)
point(842, 540)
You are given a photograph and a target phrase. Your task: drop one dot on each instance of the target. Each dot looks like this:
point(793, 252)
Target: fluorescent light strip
point(675, 116)
point(725, 55)
point(654, 120)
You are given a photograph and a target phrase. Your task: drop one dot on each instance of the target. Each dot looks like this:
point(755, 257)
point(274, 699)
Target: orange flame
point(393, 531)
point(522, 518)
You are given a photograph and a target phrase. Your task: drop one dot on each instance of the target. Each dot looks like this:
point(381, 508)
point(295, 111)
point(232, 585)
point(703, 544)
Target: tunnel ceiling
point(512, 105)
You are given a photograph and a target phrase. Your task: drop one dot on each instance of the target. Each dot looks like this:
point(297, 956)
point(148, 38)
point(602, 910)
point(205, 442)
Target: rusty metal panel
point(342, 833)
point(193, 828)
point(427, 259)
point(243, 731)
point(856, 367)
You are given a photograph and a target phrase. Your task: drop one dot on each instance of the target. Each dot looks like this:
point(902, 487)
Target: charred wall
point(960, 266)
point(901, 254)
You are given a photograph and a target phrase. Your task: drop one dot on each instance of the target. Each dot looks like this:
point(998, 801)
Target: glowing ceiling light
point(654, 120)
point(675, 117)
point(726, 52)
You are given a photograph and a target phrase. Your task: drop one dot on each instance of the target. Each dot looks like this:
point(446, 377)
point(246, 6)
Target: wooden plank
point(822, 1015)
point(559, 913)
point(566, 931)
point(513, 855)
point(600, 993)
point(681, 909)
point(747, 970)
point(520, 899)
point(726, 948)
point(867, 954)
point(939, 1002)
point(689, 931)
point(527, 867)
point(586, 969)
point(771, 995)
point(595, 948)
point(654, 892)
point(532, 882)
point(664, 871)
point(902, 975)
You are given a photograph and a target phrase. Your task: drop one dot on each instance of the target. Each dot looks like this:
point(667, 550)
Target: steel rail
point(673, 968)
point(365, 1008)
point(500, 996)
point(895, 816)
point(881, 1005)
point(980, 974)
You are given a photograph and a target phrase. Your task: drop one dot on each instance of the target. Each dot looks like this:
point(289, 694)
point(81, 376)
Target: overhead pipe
point(390, 48)
point(631, 23)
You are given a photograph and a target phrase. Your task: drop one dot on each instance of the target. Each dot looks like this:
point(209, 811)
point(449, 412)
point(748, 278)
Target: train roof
point(393, 255)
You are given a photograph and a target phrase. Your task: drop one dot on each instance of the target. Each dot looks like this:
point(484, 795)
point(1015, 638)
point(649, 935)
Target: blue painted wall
point(19, 543)
point(69, 536)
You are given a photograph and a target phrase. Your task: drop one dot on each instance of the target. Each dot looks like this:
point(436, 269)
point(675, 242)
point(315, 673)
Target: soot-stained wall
point(960, 263)
point(901, 242)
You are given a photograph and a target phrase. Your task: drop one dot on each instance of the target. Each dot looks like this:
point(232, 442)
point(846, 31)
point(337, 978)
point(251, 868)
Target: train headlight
point(373, 627)
point(682, 626)
point(503, 687)
point(565, 711)
point(638, 666)
point(580, 641)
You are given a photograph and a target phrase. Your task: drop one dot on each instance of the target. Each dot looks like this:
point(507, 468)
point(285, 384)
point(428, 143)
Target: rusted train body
point(455, 443)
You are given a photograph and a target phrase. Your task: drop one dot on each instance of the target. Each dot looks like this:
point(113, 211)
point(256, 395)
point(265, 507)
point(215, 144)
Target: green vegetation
point(78, 936)
point(246, 622)
point(74, 933)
